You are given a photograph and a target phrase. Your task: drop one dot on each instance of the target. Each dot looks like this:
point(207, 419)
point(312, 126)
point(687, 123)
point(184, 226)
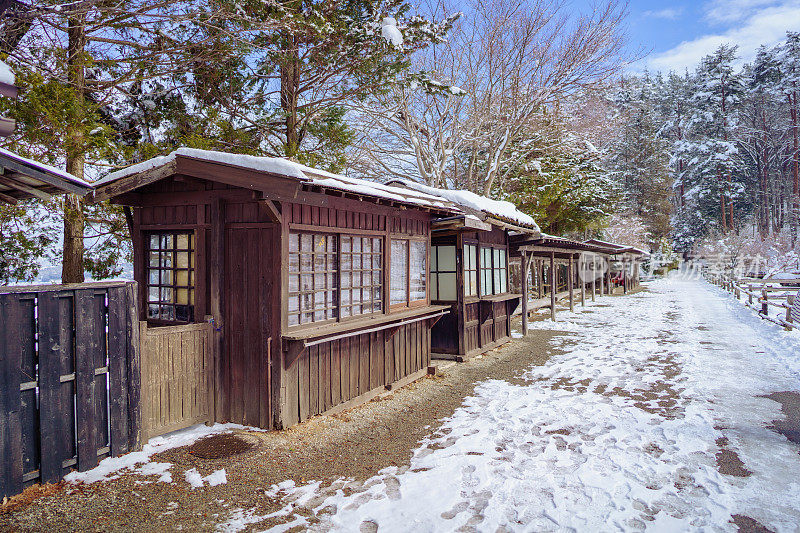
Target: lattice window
point(361, 275)
point(312, 278)
point(170, 276)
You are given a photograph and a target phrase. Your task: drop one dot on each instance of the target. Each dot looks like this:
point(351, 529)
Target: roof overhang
point(22, 179)
point(460, 223)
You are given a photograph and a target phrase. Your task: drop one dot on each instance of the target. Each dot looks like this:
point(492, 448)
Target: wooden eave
point(502, 223)
point(459, 224)
point(20, 181)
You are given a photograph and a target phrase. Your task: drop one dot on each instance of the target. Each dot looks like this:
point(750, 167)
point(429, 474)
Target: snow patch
point(390, 32)
point(139, 462)
point(6, 74)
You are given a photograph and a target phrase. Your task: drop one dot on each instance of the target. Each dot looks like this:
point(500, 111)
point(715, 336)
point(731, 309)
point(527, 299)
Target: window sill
point(500, 297)
point(297, 341)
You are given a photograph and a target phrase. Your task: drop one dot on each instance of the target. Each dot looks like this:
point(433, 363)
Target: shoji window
point(361, 275)
point(443, 273)
point(313, 266)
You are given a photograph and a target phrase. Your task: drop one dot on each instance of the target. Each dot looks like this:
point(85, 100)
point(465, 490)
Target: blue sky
point(678, 33)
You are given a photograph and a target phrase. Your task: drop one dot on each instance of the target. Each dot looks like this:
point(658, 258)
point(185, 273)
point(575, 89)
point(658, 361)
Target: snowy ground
point(619, 433)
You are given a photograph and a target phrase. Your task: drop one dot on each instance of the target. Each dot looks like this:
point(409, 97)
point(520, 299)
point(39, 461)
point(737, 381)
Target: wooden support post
point(582, 278)
point(526, 262)
point(764, 304)
point(570, 283)
point(789, 304)
point(216, 263)
point(553, 286)
point(625, 280)
point(594, 277)
point(750, 294)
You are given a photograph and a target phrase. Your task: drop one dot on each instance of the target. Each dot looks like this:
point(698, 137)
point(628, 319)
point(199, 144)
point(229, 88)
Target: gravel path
point(355, 444)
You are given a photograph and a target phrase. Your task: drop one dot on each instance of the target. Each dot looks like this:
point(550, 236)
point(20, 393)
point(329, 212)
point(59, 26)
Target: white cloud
point(765, 26)
point(727, 11)
point(669, 13)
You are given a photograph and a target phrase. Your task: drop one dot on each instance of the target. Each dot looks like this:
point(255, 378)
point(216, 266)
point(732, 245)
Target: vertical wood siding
point(335, 372)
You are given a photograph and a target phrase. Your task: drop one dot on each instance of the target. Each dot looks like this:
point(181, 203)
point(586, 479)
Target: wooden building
point(554, 268)
point(317, 285)
point(470, 271)
point(624, 263)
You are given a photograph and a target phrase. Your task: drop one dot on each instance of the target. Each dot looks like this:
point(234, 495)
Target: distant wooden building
point(470, 271)
point(317, 285)
point(624, 263)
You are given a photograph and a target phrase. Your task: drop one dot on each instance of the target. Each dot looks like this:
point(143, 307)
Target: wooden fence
point(760, 294)
point(69, 391)
point(177, 377)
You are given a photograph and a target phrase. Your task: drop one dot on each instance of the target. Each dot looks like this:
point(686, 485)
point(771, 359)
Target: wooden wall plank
point(11, 469)
point(117, 370)
point(55, 400)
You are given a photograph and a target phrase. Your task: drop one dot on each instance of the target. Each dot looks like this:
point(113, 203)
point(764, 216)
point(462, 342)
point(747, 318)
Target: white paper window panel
point(446, 258)
point(446, 287)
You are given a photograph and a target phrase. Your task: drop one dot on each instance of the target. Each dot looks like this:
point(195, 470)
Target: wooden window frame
point(191, 269)
point(438, 271)
point(409, 304)
point(477, 270)
point(492, 268)
point(313, 272)
point(339, 234)
point(382, 256)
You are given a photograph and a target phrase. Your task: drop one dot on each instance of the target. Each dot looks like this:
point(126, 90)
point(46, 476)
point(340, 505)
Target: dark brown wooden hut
point(470, 271)
point(317, 284)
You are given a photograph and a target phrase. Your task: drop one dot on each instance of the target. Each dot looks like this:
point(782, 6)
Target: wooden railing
point(761, 294)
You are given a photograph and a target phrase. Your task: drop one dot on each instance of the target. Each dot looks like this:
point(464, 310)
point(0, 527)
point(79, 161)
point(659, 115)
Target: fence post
point(764, 302)
point(750, 294)
point(789, 304)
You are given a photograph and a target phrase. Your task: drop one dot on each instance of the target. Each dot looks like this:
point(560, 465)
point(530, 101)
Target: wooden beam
point(8, 199)
point(15, 184)
point(271, 210)
point(216, 264)
point(553, 286)
point(129, 183)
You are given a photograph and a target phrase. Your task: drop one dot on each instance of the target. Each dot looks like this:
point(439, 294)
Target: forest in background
point(519, 100)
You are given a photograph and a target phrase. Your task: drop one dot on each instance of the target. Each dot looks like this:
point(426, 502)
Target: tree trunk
point(72, 262)
point(290, 86)
point(795, 165)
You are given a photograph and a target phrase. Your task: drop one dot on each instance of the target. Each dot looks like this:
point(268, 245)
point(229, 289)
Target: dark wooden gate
point(69, 379)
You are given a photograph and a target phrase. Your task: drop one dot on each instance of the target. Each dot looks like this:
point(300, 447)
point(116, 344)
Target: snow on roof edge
point(285, 167)
point(498, 209)
point(45, 167)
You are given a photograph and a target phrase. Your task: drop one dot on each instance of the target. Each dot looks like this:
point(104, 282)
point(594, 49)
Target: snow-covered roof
point(43, 167)
point(497, 209)
point(32, 179)
point(291, 169)
point(618, 248)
